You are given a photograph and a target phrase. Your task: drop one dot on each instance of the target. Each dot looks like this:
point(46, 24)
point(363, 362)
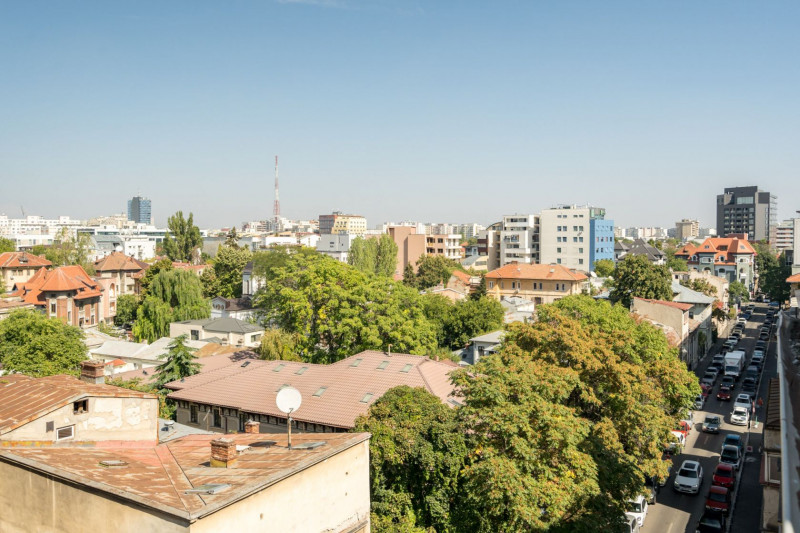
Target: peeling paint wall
point(106, 419)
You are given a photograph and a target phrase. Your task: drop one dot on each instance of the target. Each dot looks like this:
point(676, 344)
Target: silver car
point(689, 478)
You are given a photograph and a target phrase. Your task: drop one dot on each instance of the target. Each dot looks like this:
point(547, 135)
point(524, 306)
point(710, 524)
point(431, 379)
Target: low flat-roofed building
point(230, 331)
point(334, 395)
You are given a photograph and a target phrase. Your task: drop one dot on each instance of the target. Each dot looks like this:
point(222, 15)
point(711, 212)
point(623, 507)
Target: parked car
point(764, 335)
point(629, 524)
point(707, 380)
point(676, 445)
point(713, 372)
point(718, 359)
point(749, 385)
point(724, 393)
point(718, 499)
point(731, 456)
point(638, 509)
point(724, 476)
point(689, 478)
point(711, 424)
point(761, 345)
point(699, 402)
point(758, 355)
point(733, 439)
point(652, 487)
point(706, 390)
point(740, 416)
point(711, 522)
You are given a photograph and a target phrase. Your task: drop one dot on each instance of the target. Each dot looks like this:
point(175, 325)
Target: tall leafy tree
point(773, 279)
point(179, 362)
point(568, 418)
point(7, 245)
point(69, 249)
point(35, 345)
point(635, 276)
point(700, 285)
point(676, 264)
point(481, 291)
point(278, 345)
point(385, 256)
point(228, 267)
point(374, 256)
point(149, 274)
point(173, 295)
point(432, 270)
point(127, 304)
point(182, 240)
point(738, 292)
point(416, 453)
point(604, 267)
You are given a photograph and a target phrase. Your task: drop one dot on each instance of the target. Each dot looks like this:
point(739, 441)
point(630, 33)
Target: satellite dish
point(288, 400)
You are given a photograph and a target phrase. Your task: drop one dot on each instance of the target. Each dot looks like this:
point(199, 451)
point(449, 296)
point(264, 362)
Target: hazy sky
point(450, 111)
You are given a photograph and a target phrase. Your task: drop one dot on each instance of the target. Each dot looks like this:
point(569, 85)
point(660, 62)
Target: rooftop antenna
point(288, 401)
point(276, 210)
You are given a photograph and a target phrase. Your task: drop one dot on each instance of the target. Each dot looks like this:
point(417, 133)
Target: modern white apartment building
point(35, 225)
point(575, 236)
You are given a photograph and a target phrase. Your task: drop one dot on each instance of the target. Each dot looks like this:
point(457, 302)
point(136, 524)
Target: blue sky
point(432, 111)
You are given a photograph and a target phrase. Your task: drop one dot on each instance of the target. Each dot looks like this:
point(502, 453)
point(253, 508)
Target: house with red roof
point(541, 284)
point(732, 258)
point(66, 293)
point(17, 267)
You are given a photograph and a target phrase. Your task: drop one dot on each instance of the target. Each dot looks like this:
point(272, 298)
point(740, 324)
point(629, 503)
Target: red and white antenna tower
point(276, 210)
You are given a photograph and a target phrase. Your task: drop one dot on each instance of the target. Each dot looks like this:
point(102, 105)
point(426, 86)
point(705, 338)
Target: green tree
point(173, 295)
point(69, 249)
point(416, 453)
point(635, 276)
point(149, 274)
point(7, 245)
point(481, 291)
point(568, 418)
point(409, 276)
point(232, 239)
point(127, 304)
point(179, 362)
point(470, 318)
point(676, 264)
point(374, 256)
point(700, 285)
point(182, 240)
point(773, 279)
point(337, 310)
point(35, 345)
point(228, 267)
point(738, 292)
point(278, 345)
point(210, 282)
point(385, 256)
point(434, 269)
point(604, 267)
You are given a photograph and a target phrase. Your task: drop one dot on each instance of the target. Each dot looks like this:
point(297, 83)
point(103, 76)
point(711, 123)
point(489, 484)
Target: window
point(407, 368)
point(558, 250)
point(491, 284)
point(81, 406)
point(558, 260)
point(279, 367)
point(320, 391)
point(193, 414)
point(580, 250)
point(301, 371)
point(217, 423)
point(367, 397)
point(383, 365)
point(356, 362)
point(580, 261)
point(52, 309)
point(67, 432)
point(195, 334)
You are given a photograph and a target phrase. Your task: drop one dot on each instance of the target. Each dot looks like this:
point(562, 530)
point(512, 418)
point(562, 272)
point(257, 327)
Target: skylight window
point(367, 397)
point(407, 368)
point(320, 391)
point(383, 365)
point(279, 367)
point(301, 371)
point(356, 362)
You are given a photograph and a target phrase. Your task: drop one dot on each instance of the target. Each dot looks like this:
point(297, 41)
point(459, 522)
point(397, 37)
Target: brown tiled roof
point(726, 246)
point(158, 476)
point(13, 304)
point(252, 388)
point(210, 357)
point(117, 261)
point(527, 271)
point(461, 275)
point(793, 279)
point(22, 260)
point(677, 305)
point(62, 279)
point(23, 398)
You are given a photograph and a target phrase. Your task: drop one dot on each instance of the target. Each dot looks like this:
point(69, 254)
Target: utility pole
point(276, 210)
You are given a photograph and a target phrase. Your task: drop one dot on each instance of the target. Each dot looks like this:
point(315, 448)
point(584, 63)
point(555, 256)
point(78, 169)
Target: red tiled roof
point(528, 271)
point(461, 275)
point(726, 246)
point(117, 261)
point(793, 279)
point(252, 388)
point(677, 305)
point(71, 278)
point(22, 260)
point(23, 398)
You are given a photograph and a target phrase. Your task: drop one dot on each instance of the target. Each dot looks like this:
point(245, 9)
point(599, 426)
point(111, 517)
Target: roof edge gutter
point(789, 453)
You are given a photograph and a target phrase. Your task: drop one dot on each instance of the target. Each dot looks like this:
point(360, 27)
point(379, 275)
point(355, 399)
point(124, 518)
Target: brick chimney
point(223, 453)
point(93, 372)
point(251, 426)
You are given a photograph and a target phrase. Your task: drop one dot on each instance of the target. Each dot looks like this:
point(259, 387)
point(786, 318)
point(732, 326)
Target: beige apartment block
point(541, 284)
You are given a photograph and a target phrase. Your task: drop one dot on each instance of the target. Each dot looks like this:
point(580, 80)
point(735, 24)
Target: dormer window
point(81, 406)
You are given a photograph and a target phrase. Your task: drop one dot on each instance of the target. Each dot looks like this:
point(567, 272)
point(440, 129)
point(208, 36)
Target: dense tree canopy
point(69, 249)
point(604, 267)
point(337, 310)
point(277, 345)
point(179, 362)
point(700, 285)
point(773, 279)
point(374, 256)
point(7, 245)
point(162, 264)
point(35, 345)
point(416, 453)
point(173, 295)
point(456, 323)
point(676, 264)
point(182, 241)
point(227, 268)
point(127, 304)
point(738, 292)
point(568, 419)
point(635, 276)
point(432, 270)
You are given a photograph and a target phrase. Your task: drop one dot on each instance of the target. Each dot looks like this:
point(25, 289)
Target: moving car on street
point(689, 478)
point(711, 424)
point(740, 416)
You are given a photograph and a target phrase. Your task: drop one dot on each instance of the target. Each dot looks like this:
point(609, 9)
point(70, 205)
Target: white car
point(638, 509)
point(743, 400)
point(689, 478)
point(739, 416)
point(699, 402)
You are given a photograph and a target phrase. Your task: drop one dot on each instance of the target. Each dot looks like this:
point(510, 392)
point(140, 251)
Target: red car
point(724, 394)
point(718, 499)
point(706, 390)
point(724, 476)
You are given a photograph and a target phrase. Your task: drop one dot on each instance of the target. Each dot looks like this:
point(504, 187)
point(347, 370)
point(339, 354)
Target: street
point(678, 513)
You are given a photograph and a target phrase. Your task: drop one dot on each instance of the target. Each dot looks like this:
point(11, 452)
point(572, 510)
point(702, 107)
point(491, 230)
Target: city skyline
point(396, 111)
